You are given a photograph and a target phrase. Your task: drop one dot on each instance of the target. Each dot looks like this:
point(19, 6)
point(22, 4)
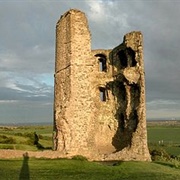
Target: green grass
point(165, 137)
point(167, 134)
point(63, 169)
point(18, 147)
point(20, 138)
point(44, 130)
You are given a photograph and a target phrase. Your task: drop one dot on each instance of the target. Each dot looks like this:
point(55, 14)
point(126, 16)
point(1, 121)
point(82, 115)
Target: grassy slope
point(41, 169)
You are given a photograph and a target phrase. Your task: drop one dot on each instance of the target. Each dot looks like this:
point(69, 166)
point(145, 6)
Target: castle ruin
point(99, 103)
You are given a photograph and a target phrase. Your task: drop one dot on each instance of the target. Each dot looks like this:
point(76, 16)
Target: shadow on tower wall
point(120, 58)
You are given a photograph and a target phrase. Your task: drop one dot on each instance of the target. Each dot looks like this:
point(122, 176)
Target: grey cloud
point(27, 111)
point(161, 39)
point(24, 92)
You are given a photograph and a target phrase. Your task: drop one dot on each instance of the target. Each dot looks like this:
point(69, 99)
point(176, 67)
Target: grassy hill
point(21, 137)
point(63, 169)
point(163, 140)
point(76, 169)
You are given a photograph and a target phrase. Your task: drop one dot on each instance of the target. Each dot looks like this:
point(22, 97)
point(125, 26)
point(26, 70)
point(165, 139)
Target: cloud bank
point(27, 51)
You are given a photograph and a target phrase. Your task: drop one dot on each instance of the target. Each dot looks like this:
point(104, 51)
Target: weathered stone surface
point(99, 104)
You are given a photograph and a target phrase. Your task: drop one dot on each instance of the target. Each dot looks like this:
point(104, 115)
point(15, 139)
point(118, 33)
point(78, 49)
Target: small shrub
point(29, 135)
point(40, 136)
point(79, 157)
point(159, 154)
point(29, 142)
point(19, 134)
point(31, 138)
point(176, 163)
point(7, 140)
point(7, 146)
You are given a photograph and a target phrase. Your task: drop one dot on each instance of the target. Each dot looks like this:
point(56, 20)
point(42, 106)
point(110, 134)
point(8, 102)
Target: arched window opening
point(102, 62)
point(102, 94)
point(127, 58)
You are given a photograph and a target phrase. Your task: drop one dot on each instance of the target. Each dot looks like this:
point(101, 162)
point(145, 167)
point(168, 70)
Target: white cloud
point(8, 101)
point(161, 102)
point(13, 86)
point(97, 11)
point(163, 114)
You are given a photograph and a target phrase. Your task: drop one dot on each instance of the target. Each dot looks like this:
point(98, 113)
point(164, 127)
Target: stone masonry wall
point(72, 100)
point(62, 78)
point(99, 96)
point(105, 123)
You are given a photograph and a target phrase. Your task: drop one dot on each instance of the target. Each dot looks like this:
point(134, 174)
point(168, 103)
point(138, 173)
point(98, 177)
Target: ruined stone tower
point(99, 104)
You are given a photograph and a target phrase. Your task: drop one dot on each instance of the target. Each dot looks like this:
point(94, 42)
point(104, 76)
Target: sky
point(27, 51)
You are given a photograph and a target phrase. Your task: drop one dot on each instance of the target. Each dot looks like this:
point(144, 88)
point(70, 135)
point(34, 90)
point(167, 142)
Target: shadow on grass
point(110, 163)
point(24, 173)
point(165, 164)
point(41, 147)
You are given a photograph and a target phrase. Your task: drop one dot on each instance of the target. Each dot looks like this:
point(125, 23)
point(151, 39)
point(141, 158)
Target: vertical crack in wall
point(127, 91)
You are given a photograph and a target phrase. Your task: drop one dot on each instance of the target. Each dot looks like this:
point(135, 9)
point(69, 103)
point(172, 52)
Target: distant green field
point(20, 137)
point(166, 137)
point(159, 136)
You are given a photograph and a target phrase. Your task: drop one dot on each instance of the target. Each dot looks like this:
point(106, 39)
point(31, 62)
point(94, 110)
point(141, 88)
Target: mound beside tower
point(99, 98)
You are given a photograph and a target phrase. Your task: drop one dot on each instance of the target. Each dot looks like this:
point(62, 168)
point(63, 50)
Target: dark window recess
point(127, 58)
point(102, 94)
point(123, 58)
point(102, 62)
point(131, 57)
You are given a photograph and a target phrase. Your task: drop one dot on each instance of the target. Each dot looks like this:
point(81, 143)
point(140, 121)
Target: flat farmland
point(21, 137)
point(165, 135)
point(161, 134)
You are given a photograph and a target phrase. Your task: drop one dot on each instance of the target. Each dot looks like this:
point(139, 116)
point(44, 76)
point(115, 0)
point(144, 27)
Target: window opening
point(102, 62)
point(123, 58)
point(100, 65)
point(127, 58)
point(102, 94)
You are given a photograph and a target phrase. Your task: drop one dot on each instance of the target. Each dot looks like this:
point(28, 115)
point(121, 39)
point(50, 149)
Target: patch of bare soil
point(9, 154)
